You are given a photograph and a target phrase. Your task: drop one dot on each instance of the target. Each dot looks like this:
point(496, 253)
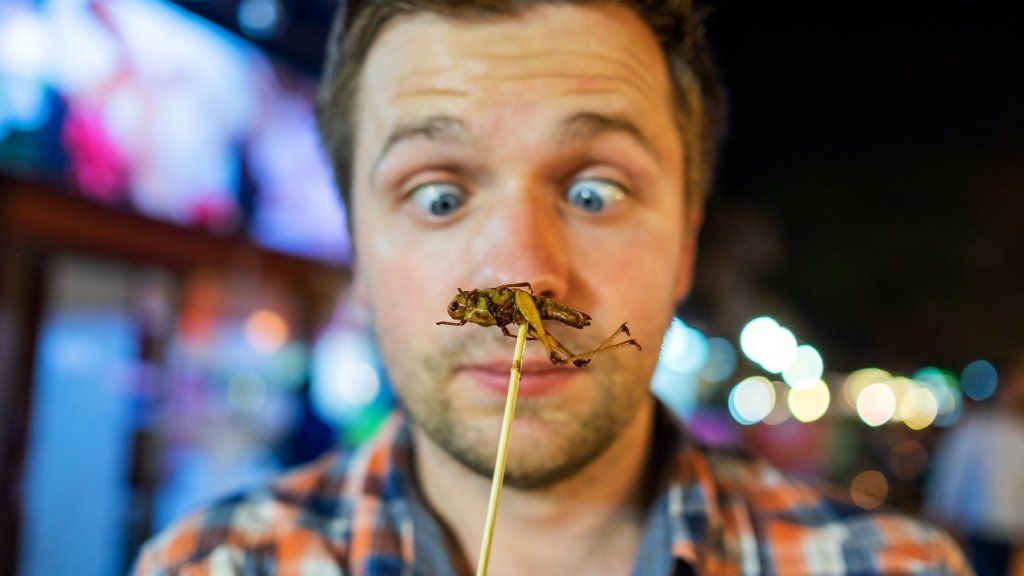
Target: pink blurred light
point(99, 167)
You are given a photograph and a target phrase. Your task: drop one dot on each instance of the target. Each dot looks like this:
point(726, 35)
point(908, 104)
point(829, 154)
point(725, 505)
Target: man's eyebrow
point(585, 125)
point(436, 128)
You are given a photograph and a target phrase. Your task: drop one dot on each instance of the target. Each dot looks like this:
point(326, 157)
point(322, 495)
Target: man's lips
point(538, 377)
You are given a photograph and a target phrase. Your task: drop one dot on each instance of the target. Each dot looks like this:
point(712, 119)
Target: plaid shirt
point(722, 515)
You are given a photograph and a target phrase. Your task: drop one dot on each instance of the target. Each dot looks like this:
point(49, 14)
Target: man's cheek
point(404, 302)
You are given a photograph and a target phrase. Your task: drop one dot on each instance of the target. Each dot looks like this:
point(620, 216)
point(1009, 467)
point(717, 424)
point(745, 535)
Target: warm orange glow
point(869, 489)
point(266, 331)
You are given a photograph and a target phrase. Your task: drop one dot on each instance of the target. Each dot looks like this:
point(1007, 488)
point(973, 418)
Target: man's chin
point(547, 446)
point(533, 431)
point(566, 423)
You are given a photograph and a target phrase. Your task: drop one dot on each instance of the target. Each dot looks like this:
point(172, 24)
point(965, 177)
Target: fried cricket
point(510, 304)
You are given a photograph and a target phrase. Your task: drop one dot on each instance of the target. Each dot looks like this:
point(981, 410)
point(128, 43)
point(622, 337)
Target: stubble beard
point(568, 438)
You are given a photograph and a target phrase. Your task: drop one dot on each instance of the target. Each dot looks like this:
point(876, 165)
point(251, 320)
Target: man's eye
point(594, 194)
point(438, 200)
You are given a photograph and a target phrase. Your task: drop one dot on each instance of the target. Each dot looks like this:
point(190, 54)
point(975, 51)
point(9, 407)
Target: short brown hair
point(678, 26)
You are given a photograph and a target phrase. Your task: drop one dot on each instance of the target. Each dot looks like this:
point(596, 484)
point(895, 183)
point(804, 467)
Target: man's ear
point(688, 254)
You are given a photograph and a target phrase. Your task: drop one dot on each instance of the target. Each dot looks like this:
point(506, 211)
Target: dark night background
point(886, 146)
point(871, 186)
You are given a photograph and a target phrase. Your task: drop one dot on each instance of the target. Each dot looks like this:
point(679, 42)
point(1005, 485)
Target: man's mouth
point(539, 377)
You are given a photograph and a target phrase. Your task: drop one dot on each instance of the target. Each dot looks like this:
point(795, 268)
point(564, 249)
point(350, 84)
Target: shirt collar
point(381, 525)
point(380, 492)
point(689, 489)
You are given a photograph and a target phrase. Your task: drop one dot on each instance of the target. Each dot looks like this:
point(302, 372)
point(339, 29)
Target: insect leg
point(585, 358)
point(581, 360)
point(460, 323)
point(558, 346)
point(528, 308)
point(518, 285)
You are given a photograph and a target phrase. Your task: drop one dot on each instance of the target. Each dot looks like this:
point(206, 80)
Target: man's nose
point(524, 241)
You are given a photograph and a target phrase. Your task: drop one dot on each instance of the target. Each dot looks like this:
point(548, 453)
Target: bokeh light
point(755, 334)
point(781, 352)
point(767, 343)
point(876, 404)
point(901, 386)
point(918, 408)
point(953, 398)
point(266, 331)
point(24, 46)
point(683, 349)
point(908, 459)
point(25, 56)
point(946, 389)
point(344, 382)
point(979, 380)
point(869, 489)
point(721, 362)
point(780, 413)
point(751, 400)
point(678, 391)
point(935, 377)
point(806, 368)
point(857, 381)
point(354, 385)
point(260, 19)
point(685, 352)
point(811, 403)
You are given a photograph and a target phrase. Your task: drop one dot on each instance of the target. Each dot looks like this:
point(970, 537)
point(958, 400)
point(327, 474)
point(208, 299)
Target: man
point(568, 145)
point(977, 474)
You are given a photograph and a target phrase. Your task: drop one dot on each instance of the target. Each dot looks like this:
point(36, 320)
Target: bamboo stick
point(502, 458)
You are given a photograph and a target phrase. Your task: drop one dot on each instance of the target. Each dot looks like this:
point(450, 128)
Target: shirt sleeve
point(168, 552)
point(952, 557)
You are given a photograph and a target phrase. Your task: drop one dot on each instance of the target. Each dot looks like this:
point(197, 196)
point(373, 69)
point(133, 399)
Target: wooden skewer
point(499, 464)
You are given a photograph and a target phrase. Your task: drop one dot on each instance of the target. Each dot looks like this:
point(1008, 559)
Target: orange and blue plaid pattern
point(348, 514)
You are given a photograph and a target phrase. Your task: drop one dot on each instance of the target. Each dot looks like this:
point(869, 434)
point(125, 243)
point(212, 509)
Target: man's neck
point(590, 523)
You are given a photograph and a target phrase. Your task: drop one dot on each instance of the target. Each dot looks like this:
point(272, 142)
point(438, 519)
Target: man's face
point(540, 148)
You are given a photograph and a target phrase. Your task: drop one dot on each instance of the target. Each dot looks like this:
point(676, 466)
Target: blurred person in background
point(569, 145)
point(976, 487)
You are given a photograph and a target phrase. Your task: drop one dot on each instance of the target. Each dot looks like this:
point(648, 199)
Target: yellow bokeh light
point(876, 404)
point(919, 408)
point(809, 404)
point(861, 379)
point(901, 387)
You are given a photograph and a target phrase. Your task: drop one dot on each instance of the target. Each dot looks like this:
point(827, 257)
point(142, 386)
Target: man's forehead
point(552, 72)
point(586, 47)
